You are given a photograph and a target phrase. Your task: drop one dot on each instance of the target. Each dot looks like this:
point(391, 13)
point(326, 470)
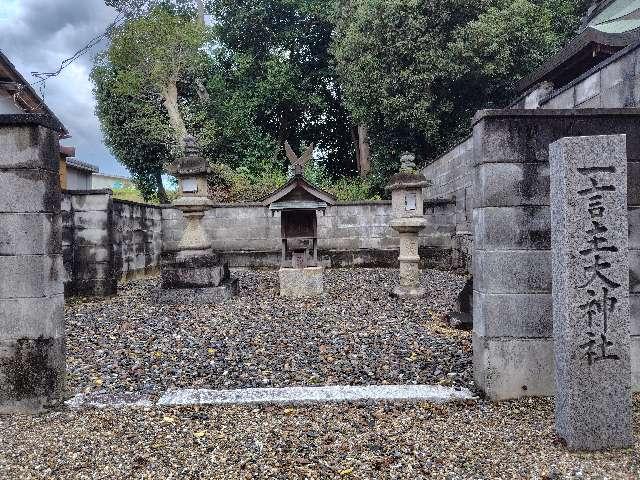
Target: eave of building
point(29, 101)
point(581, 54)
point(78, 165)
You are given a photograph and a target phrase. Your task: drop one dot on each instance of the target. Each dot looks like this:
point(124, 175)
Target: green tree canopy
point(415, 71)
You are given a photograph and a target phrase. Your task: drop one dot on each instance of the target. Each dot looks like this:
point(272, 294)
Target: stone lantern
point(406, 200)
point(192, 171)
point(193, 273)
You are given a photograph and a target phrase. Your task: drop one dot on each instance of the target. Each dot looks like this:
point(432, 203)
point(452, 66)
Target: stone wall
point(350, 234)
point(106, 240)
point(513, 322)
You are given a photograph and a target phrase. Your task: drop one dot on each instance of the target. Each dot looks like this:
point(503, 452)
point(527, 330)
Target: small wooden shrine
point(299, 203)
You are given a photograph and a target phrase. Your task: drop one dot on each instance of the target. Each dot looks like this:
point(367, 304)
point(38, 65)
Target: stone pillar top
point(41, 119)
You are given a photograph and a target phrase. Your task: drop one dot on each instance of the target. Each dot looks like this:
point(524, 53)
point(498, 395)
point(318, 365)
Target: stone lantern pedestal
point(406, 200)
point(193, 273)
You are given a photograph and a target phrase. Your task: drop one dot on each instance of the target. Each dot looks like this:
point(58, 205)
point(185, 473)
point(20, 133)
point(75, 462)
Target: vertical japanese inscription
point(599, 289)
point(589, 232)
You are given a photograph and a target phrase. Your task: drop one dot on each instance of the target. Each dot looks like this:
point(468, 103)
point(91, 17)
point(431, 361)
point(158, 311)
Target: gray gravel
point(354, 335)
point(511, 440)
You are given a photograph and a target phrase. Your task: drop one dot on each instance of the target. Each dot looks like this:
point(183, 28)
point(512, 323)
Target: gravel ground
point(511, 440)
point(354, 335)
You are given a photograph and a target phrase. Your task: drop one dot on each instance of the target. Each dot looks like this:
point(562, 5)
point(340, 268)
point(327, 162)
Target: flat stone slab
point(106, 400)
point(301, 282)
point(303, 395)
point(199, 296)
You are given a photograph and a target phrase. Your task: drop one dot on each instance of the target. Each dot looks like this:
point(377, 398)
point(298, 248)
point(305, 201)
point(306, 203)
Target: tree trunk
point(356, 145)
point(162, 193)
point(170, 95)
point(201, 12)
point(360, 138)
point(364, 166)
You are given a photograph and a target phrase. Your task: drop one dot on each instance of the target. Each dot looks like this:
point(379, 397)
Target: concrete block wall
point(451, 178)
point(32, 339)
point(106, 240)
point(87, 241)
point(350, 234)
point(137, 239)
point(513, 338)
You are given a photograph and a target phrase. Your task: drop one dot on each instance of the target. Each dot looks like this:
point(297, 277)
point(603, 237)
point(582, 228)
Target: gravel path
point(511, 440)
point(354, 335)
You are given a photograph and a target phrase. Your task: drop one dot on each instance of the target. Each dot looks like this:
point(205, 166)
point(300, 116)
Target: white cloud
point(37, 35)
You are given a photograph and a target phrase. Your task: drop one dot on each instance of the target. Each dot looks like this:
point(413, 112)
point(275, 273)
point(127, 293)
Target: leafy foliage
point(416, 71)
point(135, 128)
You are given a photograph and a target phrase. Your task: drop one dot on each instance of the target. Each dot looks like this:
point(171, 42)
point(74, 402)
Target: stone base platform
point(199, 296)
point(301, 282)
point(200, 279)
point(408, 292)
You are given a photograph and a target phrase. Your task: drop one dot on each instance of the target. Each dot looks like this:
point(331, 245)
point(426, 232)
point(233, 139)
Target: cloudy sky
point(37, 35)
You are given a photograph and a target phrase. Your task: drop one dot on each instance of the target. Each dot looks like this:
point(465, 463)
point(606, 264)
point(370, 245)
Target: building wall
point(8, 106)
point(99, 181)
point(77, 179)
point(612, 84)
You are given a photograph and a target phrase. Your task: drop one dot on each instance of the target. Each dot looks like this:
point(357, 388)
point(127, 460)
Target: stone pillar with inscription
point(408, 210)
point(590, 268)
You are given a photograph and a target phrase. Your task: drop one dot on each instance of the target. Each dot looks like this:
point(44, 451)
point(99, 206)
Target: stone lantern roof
point(192, 163)
point(409, 176)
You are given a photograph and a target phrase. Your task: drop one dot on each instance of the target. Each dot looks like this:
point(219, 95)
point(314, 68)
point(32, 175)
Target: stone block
point(634, 271)
point(591, 292)
point(508, 368)
point(633, 183)
point(509, 315)
point(89, 270)
point(31, 276)
point(26, 147)
point(511, 185)
point(634, 316)
point(93, 219)
point(30, 233)
point(524, 136)
point(32, 374)
point(195, 272)
point(32, 317)
point(301, 282)
point(91, 202)
point(29, 191)
point(512, 228)
point(634, 228)
point(588, 88)
point(524, 271)
point(197, 296)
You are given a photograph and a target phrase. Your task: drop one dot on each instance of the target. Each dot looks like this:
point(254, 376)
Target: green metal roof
point(619, 17)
